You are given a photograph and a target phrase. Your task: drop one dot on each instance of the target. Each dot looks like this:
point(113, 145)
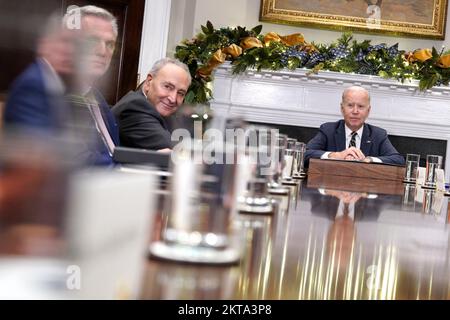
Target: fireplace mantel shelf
point(298, 99)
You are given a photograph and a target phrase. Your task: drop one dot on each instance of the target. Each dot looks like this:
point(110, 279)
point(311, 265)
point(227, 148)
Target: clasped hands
point(351, 153)
point(345, 196)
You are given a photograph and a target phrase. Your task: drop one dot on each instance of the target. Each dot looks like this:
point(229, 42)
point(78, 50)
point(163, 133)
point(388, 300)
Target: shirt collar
point(351, 210)
point(348, 132)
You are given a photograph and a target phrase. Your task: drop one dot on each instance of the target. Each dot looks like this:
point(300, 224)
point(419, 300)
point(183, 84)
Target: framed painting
point(412, 18)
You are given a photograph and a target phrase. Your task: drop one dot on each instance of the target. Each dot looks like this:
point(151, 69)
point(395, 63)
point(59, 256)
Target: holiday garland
point(250, 49)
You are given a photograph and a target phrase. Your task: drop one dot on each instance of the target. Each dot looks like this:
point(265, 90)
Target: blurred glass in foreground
point(56, 94)
point(68, 233)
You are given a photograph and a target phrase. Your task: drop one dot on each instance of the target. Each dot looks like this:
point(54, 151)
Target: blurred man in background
point(57, 92)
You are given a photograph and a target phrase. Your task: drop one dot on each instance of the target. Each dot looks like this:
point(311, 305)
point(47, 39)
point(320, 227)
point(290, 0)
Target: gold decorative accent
point(429, 23)
point(233, 50)
point(444, 61)
point(251, 42)
point(217, 59)
point(422, 55)
point(290, 40)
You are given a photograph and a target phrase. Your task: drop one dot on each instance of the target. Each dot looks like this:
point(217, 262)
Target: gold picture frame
point(410, 18)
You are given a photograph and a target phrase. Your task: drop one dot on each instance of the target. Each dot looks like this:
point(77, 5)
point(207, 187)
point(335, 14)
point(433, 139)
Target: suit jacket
point(32, 103)
point(327, 205)
point(140, 125)
point(374, 143)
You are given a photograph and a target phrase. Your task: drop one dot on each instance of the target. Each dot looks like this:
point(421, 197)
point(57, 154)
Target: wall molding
point(154, 34)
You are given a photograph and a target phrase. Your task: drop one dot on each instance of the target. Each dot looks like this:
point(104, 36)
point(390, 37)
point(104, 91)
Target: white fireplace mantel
point(296, 99)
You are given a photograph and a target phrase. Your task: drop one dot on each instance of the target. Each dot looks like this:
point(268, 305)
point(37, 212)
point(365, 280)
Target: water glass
point(198, 211)
point(300, 148)
point(289, 155)
point(434, 162)
point(289, 158)
point(409, 196)
point(277, 165)
point(255, 171)
point(412, 163)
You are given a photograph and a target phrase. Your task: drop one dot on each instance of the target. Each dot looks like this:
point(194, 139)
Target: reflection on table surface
point(326, 243)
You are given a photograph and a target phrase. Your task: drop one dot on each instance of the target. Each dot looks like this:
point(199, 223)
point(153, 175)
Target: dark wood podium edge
point(353, 184)
point(356, 169)
point(356, 176)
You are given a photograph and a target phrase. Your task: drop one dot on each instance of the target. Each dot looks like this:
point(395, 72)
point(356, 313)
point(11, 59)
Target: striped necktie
point(353, 140)
point(101, 127)
point(100, 122)
point(346, 209)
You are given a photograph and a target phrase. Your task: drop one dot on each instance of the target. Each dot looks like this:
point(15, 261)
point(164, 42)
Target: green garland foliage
point(347, 55)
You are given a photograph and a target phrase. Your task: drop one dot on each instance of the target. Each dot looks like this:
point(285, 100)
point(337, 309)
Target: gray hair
point(91, 11)
point(158, 65)
point(354, 88)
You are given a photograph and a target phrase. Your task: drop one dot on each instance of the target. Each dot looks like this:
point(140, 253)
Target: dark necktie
point(346, 209)
point(353, 140)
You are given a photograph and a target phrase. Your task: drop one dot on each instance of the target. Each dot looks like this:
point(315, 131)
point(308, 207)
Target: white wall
point(155, 31)
point(181, 23)
point(246, 13)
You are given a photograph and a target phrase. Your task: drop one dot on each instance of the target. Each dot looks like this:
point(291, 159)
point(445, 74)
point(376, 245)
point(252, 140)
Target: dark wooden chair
point(2, 106)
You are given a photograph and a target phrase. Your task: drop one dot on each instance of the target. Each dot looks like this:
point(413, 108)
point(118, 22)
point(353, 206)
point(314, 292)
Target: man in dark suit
point(35, 98)
point(69, 60)
point(352, 138)
point(330, 203)
point(142, 114)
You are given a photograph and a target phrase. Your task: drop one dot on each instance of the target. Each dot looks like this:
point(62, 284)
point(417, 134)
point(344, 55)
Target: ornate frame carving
point(288, 12)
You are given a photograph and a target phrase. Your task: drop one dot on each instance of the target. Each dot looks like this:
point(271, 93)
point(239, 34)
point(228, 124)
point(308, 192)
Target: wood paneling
point(356, 169)
point(355, 184)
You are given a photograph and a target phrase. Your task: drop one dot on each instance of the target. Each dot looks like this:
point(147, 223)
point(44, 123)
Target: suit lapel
point(366, 140)
point(339, 137)
point(153, 111)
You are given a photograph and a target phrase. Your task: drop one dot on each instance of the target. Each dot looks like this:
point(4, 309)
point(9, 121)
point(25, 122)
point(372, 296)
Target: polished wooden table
point(390, 242)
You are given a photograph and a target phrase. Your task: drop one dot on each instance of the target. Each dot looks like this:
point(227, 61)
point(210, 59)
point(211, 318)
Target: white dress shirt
point(341, 210)
point(348, 137)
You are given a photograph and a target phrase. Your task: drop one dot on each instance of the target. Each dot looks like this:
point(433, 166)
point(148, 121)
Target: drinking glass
point(277, 165)
point(412, 163)
point(300, 148)
point(197, 220)
point(434, 163)
point(289, 158)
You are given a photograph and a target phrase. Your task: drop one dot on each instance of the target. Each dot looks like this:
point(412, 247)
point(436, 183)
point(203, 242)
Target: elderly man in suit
point(352, 138)
point(142, 114)
point(70, 60)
